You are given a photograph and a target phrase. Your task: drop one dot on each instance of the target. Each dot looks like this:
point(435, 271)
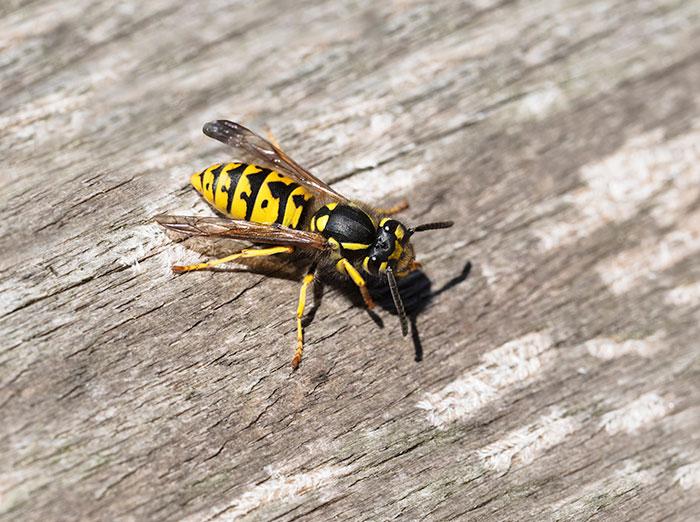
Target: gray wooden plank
point(559, 378)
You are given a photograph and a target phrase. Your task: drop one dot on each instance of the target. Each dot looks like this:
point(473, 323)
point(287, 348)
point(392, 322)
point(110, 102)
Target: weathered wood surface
point(559, 380)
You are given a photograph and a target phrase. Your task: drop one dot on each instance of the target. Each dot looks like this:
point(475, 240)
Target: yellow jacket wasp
point(281, 208)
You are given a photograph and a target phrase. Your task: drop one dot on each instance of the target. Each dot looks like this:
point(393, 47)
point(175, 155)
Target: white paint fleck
point(633, 416)
point(149, 244)
point(364, 162)
point(380, 123)
point(646, 171)
point(688, 476)
point(525, 444)
point(513, 364)
point(540, 103)
point(490, 273)
point(175, 254)
point(633, 471)
point(607, 349)
point(278, 489)
point(141, 240)
point(625, 270)
point(684, 295)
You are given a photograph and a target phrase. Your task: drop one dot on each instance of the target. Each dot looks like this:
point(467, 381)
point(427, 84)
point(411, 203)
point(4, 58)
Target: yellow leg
point(345, 267)
point(247, 252)
point(401, 205)
point(308, 279)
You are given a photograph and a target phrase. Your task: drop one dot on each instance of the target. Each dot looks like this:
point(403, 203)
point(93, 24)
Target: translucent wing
point(239, 137)
point(237, 229)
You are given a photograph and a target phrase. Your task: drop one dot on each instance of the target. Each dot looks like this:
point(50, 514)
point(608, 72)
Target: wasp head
point(389, 247)
point(392, 254)
point(392, 250)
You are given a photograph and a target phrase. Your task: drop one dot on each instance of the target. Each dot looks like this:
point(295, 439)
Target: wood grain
point(559, 377)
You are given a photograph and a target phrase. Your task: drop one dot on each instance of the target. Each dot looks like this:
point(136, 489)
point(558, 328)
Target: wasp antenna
point(398, 304)
point(431, 226)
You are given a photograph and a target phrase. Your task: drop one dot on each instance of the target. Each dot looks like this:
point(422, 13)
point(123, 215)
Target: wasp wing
point(273, 234)
point(238, 136)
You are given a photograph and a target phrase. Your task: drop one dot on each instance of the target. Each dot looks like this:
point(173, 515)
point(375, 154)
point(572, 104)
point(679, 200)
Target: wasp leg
point(345, 267)
point(401, 205)
point(412, 267)
point(271, 138)
point(247, 252)
point(308, 279)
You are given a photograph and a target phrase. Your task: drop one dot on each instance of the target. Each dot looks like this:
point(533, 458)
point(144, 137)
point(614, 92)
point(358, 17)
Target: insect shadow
point(416, 291)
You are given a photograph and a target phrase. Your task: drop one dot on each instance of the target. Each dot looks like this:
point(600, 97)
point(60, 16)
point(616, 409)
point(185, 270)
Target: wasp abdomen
point(253, 193)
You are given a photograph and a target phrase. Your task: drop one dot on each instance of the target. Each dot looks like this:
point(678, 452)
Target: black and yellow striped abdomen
point(253, 193)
